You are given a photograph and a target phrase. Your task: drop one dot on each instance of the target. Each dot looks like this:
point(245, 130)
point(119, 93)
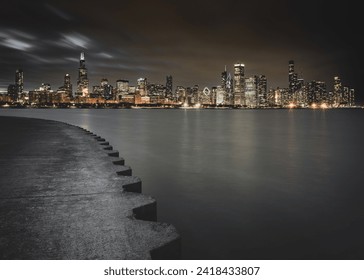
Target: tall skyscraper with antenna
point(82, 82)
point(292, 78)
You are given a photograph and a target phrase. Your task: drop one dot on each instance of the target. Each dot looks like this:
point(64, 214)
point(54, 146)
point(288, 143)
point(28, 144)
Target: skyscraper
point(316, 93)
point(169, 86)
point(142, 86)
point(226, 87)
point(250, 92)
point(67, 86)
point(12, 92)
point(352, 97)
point(292, 78)
point(181, 94)
point(239, 84)
point(338, 91)
point(345, 96)
point(300, 96)
point(19, 82)
point(224, 76)
point(261, 85)
point(106, 89)
point(82, 82)
point(122, 87)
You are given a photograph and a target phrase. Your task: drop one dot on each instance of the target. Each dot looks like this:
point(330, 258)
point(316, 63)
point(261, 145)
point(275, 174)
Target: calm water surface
point(244, 184)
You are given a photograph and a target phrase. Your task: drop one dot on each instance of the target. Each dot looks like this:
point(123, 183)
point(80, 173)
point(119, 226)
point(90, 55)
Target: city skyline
point(189, 41)
point(235, 90)
point(83, 83)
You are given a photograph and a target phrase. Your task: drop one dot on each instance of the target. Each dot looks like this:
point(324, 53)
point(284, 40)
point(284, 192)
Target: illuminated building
point(96, 92)
point(122, 86)
point(229, 98)
point(127, 98)
point(316, 93)
point(169, 86)
point(322, 95)
point(12, 93)
point(338, 91)
point(43, 95)
point(104, 82)
point(285, 97)
point(122, 89)
point(82, 82)
point(64, 93)
point(330, 99)
point(261, 87)
point(351, 97)
point(220, 96)
point(157, 90)
point(19, 82)
point(192, 95)
point(4, 98)
point(250, 92)
point(279, 96)
point(205, 97)
point(67, 85)
point(270, 97)
point(132, 89)
point(189, 96)
point(195, 95)
point(108, 92)
point(300, 96)
point(239, 97)
point(275, 97)
point(224, 80)
point(292, 78)
point(106, 89)
point(345, 96)
point(45, 87)
point(181, 94)
point(142, 86)
point(213, 95)
point(227, 87)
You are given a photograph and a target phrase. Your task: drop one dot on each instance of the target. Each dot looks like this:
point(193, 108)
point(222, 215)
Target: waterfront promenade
point(66, 194)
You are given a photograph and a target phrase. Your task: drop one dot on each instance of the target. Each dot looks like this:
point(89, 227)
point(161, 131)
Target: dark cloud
point(58, 12)
point(191, 40)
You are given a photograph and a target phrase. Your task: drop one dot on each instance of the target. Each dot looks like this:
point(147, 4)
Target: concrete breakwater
point(65, 193)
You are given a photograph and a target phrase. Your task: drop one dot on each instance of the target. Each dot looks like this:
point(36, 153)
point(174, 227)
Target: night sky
point(190, 40)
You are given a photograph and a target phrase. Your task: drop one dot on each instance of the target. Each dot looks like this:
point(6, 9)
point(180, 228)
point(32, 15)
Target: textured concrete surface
point(66, 194)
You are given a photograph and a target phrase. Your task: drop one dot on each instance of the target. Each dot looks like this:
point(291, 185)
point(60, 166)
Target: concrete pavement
point(66, 194)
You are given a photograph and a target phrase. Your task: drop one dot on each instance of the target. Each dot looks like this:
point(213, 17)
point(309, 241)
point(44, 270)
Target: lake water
point(243, 184)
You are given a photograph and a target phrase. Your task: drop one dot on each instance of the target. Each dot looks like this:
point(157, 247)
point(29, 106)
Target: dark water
point(244, 184)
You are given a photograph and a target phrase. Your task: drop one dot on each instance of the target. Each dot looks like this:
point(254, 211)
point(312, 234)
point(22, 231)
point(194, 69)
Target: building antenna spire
point(82, 57)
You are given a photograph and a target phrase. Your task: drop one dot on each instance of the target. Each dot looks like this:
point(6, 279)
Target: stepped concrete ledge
point(64, 196)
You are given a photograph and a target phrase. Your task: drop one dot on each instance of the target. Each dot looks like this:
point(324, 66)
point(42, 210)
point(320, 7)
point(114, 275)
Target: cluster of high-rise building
point(313, 93)
point(235, 90)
